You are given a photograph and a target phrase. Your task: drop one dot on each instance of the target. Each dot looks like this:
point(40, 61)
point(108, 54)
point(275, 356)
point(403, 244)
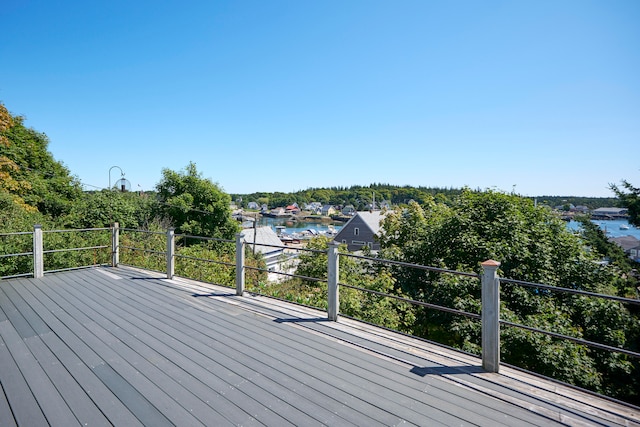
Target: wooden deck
point(119, 346)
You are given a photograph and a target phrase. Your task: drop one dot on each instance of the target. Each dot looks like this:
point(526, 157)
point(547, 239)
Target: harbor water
point(292, 227)
point(612, 228)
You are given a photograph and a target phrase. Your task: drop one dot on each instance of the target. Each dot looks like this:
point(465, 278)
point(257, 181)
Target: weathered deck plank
point(80, 366)
point(269, 348)
point(208, 347)
point(126, 347)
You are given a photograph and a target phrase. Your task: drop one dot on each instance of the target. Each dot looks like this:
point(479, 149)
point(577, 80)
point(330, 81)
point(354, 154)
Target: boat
point(624, 227)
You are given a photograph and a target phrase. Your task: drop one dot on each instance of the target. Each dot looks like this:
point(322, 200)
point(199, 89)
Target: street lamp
point(121, 174)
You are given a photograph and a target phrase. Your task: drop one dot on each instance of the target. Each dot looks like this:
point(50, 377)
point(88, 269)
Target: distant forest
point(361, 197)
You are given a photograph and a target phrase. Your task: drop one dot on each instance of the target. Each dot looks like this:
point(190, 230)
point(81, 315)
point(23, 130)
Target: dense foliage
point(361, 197)
point(630, 198)
point(532, 245)
point(29, 176)
point(353, 302)
point(195, 205)
point(567, 201)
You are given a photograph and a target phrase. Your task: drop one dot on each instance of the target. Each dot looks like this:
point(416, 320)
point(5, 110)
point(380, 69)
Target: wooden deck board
point(223, 352)
point(23, 404)
point(154, 404)
point(127, 347)
point(81, 365)
point(138, 344)
point(551, 409)
point(269, 348)
point(6, 417)
point(397, 394)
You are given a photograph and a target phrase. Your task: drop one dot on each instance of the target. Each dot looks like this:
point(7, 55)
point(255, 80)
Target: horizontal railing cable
point(570, 338)
point(214, 239)
point(311, 279)
point(570, 291)
point(316, 251)
point(144, 231)
point(18, 254)
point(143, 250)
point(74, 230)
point(16, 233)
point(51, 251)
point(414, 302)
point(407, 264)
point(203, 259)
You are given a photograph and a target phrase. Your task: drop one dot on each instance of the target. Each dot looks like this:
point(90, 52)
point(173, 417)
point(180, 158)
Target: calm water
point(611, 227)
point(298, 226)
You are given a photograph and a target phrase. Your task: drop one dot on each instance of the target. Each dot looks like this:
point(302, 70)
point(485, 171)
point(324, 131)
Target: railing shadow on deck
point(423, 371)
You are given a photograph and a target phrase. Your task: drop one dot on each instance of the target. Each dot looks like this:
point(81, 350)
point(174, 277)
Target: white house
point(265, 241)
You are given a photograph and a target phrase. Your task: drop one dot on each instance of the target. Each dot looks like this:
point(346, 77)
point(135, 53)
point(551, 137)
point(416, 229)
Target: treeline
point(590, 202)
point(361, 197)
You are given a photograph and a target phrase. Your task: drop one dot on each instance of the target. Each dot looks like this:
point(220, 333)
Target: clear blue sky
point(287, 95)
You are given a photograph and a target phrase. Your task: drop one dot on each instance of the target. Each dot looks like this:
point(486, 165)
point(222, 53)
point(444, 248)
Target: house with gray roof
point(361, 230)
point(348, 210)
point(328, 210)
point(630, 245)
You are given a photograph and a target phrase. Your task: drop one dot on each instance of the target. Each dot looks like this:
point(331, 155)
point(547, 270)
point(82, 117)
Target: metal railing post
point(240, 264)
point(333, 273)
point(490, 316)
point(38, 255)
point(171, 249)
point(115, 244)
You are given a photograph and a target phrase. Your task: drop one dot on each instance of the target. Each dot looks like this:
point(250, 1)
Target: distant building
point(292, 209)
point(580, 209)
point(630, 245)
point(277, 212)
point(361, 230)
point(274, 254)
point(349, 210)
point(314, 207)
point(610, 213)
point(328, 210)
point(253, 205)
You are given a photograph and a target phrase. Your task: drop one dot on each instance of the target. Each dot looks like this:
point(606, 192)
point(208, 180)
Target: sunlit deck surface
point(127, 347)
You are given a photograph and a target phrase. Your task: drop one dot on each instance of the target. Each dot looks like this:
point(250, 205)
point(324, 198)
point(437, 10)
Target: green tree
point(630, 198)
point(103, 208)
point(355, 303)
point(195, 205)
point(597, 241)
point(28, 171)
point(532, 245)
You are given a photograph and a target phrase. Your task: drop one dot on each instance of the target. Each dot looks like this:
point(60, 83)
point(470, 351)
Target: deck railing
point(35, 252)
point(489, 281)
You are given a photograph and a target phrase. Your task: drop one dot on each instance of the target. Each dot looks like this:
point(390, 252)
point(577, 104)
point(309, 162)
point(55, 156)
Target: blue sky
point(285, 95)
